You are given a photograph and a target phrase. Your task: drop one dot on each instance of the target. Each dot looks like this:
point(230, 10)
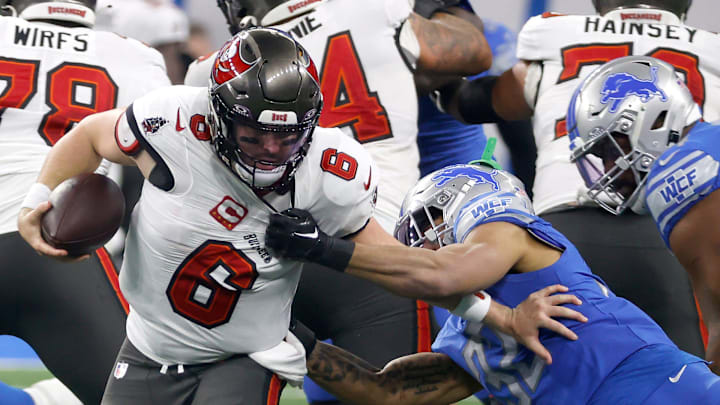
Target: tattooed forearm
point(451, 45)
point(425, 378)
point(330, 363)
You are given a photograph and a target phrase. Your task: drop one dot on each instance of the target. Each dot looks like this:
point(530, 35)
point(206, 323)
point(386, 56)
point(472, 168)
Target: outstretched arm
point(415, 273)
point(418, 379)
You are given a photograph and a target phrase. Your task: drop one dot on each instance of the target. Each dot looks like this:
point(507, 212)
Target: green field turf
point(23, 378)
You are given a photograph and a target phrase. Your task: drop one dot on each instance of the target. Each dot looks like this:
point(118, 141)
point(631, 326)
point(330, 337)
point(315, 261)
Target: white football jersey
point(50, 78)
point(200, 283)
point(570, 47)
point(369, 92)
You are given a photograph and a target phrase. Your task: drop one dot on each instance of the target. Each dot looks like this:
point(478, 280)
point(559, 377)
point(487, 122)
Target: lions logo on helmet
point(469, 172)
point(619, 86)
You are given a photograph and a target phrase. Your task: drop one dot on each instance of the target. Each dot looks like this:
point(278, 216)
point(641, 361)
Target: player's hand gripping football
point(29, 223)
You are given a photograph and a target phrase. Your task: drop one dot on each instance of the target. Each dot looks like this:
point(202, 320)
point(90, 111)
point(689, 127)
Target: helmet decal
point(469, 172)
point(229, 62)
point(619, 86)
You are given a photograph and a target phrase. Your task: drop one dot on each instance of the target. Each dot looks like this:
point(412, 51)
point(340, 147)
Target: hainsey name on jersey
point(605, 26)
point(568, 48)
point(200, 283)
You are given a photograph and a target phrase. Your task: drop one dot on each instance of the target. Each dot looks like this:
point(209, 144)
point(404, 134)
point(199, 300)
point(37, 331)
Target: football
point(86, 212)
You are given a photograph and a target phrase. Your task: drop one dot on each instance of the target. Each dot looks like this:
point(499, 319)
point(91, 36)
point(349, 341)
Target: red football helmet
point(265, 102)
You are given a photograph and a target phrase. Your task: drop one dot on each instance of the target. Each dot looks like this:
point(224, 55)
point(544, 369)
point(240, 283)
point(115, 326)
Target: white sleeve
point(343, 190)
point(529, 40)
point(398, 11)
point(148, 124)
point(198, 73)
point(543, 35)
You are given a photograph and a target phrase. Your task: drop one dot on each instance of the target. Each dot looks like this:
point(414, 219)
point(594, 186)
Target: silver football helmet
point(620, 119)
point(452, 194)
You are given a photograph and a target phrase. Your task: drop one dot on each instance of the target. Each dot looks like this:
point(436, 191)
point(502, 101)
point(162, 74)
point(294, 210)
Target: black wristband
point(475, 101)
point(334, 253)
point(304, 335)
point(427, 8)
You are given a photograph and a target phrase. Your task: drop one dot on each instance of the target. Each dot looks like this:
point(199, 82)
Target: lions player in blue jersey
point(480, 233)
point(637, 138)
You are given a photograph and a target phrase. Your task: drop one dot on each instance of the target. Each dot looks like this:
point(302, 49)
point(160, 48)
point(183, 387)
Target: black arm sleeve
point(427, 8)
point(519, 138)
point(474, 101)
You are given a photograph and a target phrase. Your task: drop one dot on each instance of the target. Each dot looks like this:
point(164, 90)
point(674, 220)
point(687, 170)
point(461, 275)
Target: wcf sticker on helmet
point(619, 86)
point(491, 207)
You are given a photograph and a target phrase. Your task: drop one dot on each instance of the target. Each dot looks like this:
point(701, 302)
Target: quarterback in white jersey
point(207, 287)
point(55, 70)
point(367, 53)
point(201, 286)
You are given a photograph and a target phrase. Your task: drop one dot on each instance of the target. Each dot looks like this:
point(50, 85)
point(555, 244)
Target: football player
point(55, 70)
point(367, 53)
point(637, 138)
point(479, 231)
point(210, 305)
point(556, 53)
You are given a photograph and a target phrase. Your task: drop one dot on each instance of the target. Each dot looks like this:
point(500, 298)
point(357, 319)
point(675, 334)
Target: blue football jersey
point(682, 176)
point(615, 329)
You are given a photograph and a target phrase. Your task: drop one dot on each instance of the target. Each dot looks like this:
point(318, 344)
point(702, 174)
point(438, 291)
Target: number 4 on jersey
point(348, 100)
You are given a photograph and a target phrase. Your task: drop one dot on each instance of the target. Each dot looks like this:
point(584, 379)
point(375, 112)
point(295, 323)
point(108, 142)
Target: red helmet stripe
point(228, 63)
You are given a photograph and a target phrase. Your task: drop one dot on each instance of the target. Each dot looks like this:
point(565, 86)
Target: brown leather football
point(86, 212)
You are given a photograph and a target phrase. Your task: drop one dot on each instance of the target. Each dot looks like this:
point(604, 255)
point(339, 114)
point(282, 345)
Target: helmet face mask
point(622, 118)
point(424, 224)
point(265, 102)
